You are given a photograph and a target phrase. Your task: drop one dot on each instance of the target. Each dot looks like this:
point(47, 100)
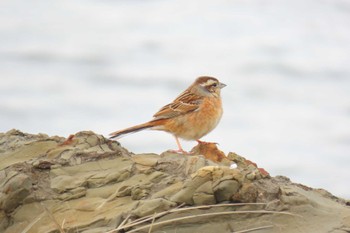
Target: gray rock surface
point(87, 183)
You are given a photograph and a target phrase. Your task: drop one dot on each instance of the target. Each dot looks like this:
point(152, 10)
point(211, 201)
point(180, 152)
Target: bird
point(192, 115)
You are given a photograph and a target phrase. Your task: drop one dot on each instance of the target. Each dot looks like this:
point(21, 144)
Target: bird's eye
point(215, 85)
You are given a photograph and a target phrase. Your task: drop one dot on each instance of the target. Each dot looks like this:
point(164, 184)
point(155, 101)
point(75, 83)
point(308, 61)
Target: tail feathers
point(133, 129)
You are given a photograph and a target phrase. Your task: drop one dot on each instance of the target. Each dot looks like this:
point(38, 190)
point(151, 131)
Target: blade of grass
point(25, 230)
point(254, 229)
point(123, 222)
point(178, 209)
point(213, 214)
point(150, 229)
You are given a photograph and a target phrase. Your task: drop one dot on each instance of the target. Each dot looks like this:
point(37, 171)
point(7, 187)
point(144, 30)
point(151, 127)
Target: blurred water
point(67, 66)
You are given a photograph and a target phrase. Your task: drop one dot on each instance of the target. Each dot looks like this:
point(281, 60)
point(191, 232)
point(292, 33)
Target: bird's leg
point(180, 150)
point(178, 144)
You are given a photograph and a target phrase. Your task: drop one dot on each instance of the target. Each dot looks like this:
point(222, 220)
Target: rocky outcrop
point(87, 183)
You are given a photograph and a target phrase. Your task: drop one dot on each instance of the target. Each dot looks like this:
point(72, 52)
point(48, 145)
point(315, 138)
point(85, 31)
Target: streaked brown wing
point(183, 104)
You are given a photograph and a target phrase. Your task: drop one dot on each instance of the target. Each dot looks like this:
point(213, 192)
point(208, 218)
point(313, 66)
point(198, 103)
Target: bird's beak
point(222, 85)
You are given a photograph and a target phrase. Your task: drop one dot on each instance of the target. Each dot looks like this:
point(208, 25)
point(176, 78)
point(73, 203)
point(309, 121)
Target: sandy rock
point(14, 139)
point(140, 191)
point(104, 177)
point(180, 164)
point(75, 193)
point(270, 189)
point(145, 162)
point(27, 152)
point(225, 189)
point(15, 188)
point(248, 193)
point(185, 195)
point(63, 183)
point(4, 221)
point(149, 159)
point(124, 191)
point(148, 207)
point(204, 194)
point(87, 183)
point(168, 191)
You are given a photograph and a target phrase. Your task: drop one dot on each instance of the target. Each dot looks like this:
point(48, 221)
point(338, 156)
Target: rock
point(225, 189)
point(149, 160)
point(244, 164)
point(148, 207)
point(63, 183)
point(105, 177)
point(248, 193)
point(140, 192)
point(27, 152)
point(87, 183)
point(269, 189)
point(14, 190)
point(185, 195)
point(75, 193)
point(167, 192)
point(4, 221)
point(204, 194)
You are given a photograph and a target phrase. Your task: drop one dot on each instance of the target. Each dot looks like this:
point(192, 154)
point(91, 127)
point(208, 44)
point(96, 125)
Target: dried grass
point(137, 223)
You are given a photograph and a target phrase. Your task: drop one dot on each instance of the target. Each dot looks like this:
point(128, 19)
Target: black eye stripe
point(212, 85)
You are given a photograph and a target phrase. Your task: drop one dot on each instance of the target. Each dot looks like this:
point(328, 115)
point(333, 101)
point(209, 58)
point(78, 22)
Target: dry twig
point(154, 216)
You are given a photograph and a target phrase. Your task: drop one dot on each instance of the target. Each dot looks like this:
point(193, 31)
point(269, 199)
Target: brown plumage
point(193, 114)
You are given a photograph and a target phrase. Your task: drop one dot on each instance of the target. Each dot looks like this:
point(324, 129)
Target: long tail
point(133, 129)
